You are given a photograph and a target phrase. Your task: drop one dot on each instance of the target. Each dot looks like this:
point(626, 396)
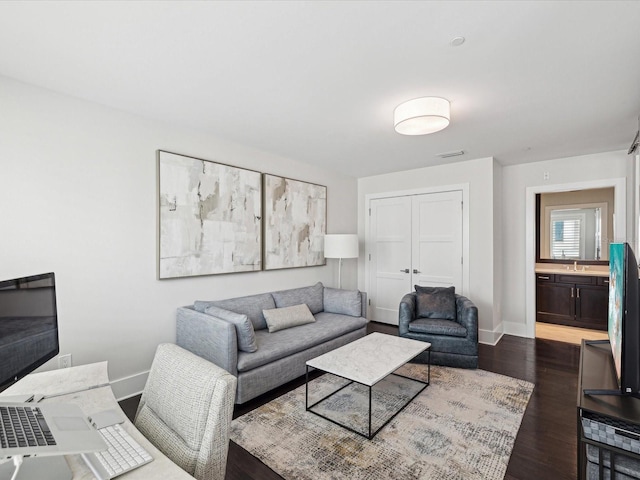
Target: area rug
point(462, 426)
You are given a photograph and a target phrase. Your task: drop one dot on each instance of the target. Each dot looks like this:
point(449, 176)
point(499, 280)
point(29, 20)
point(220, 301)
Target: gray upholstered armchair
point(446, 320)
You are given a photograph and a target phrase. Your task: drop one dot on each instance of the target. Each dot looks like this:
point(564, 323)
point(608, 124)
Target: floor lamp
point(340, 246)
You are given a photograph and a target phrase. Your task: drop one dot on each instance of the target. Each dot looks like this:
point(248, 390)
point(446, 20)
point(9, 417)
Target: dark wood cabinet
point(574, 300)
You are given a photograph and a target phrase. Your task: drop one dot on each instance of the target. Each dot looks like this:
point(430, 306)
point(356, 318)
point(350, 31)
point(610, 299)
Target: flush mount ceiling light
point(421, 116)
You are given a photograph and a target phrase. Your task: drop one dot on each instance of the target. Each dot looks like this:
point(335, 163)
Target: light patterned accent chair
point(186, 410)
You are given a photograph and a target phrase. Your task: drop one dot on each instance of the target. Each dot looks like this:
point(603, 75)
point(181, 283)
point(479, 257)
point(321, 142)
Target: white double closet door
point(413, 240)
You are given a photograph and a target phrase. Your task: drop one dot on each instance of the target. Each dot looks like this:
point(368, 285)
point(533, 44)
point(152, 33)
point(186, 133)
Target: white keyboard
point(124, 454)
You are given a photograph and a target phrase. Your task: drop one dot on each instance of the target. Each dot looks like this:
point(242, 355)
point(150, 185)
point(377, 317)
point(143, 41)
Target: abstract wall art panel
point(295, 218)
point(210, 217)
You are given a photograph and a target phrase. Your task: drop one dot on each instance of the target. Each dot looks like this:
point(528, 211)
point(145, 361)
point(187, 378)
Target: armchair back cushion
point(436, 302)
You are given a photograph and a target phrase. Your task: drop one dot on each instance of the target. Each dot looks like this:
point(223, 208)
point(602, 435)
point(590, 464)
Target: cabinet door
point(592, 306)
point(556, 303)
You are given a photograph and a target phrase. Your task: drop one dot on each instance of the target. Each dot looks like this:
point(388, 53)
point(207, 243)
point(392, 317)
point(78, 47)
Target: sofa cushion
point(346, 302)
point(312, 296)
point(287, 317)
point(436, 302)
point(244, 328)
point(251, 306)
point(437, 326)
point(277, 345)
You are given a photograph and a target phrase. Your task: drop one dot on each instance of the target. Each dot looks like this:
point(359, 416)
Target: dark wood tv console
point(616, 416)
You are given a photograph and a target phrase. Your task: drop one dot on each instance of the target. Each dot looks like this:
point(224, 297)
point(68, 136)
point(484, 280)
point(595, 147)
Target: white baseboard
point(490, 337)
point(129, 386)
point(518, 329)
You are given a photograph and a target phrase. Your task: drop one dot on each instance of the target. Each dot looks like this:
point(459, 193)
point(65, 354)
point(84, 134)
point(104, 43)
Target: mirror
point(576, 225)
point(576, 233)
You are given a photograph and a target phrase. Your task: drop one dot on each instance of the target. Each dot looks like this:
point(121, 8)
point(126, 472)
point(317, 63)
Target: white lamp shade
point(421, 116)
point(341, 246)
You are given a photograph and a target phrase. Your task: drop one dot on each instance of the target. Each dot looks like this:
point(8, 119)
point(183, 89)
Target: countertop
point(587, 270)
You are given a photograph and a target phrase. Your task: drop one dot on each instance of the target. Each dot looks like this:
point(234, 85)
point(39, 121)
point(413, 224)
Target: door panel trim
point(464, 187)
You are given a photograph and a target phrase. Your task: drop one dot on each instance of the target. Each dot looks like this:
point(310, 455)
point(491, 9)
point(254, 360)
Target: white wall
point(516, 180)
point(497, 197)
point(478, 174)
point(78, 197)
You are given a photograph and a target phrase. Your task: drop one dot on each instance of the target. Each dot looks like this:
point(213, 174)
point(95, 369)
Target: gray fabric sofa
point(262, 360)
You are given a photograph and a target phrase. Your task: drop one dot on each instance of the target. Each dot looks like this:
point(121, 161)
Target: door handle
point(578, 292)
point(406, 270)
point(416, 271)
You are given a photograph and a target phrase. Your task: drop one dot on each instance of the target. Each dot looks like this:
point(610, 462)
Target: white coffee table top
point(369, 359)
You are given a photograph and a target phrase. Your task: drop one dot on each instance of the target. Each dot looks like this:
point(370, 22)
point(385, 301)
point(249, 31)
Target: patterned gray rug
point(462, 426)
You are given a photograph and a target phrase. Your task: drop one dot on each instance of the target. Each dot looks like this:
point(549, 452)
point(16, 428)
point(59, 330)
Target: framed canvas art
point(210, 217)
point(295, 219)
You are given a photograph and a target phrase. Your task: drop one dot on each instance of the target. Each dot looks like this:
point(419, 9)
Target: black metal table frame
point(370, 434)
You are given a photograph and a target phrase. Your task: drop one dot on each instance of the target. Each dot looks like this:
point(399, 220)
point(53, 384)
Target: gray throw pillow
point(312, 296)
point(244, 328)
point(346, 302)
point(436, 302)
point(287, 317)
point(250, 305)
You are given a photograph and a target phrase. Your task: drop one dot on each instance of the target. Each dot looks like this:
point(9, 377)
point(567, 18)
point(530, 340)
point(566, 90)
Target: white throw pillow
point(287, 317)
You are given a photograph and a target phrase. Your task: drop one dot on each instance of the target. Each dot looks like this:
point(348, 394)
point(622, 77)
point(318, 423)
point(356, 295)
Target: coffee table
point(367, 361)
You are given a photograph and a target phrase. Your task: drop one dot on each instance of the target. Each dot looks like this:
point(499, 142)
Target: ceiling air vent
point(457, 153)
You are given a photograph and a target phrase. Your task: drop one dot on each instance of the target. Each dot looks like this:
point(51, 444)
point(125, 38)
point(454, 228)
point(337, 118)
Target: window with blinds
point(575, 232)
point(566, 238)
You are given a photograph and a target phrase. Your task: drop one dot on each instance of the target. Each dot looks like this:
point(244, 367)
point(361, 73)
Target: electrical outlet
point(546, 175)
point(64, 361)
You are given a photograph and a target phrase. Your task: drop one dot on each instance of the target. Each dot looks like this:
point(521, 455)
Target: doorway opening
point(576, 292)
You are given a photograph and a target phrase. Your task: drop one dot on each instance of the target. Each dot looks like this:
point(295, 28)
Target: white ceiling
point(318, 81)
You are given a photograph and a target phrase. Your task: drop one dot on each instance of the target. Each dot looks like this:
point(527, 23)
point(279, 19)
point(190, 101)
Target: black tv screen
point(624, 317)
point(28, 325)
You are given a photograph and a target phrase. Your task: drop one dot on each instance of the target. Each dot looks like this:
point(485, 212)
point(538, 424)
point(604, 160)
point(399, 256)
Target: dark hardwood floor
point(546, 445)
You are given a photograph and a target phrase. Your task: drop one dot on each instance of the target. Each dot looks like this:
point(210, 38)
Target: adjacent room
point(320, 239)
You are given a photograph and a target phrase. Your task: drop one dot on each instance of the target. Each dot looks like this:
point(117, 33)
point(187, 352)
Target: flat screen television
point(624, 317)
point(28, 325)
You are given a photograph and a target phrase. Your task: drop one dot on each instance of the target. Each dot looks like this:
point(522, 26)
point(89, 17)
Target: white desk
point(88, 387)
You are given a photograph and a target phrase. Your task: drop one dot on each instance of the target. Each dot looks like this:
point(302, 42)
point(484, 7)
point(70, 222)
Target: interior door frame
point(464, 187)
point(619, 231)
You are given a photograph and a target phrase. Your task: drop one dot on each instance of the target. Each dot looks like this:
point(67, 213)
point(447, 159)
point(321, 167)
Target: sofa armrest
point(467, 316)
point(363, 300)
point(209, 337)
point(407, 312)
